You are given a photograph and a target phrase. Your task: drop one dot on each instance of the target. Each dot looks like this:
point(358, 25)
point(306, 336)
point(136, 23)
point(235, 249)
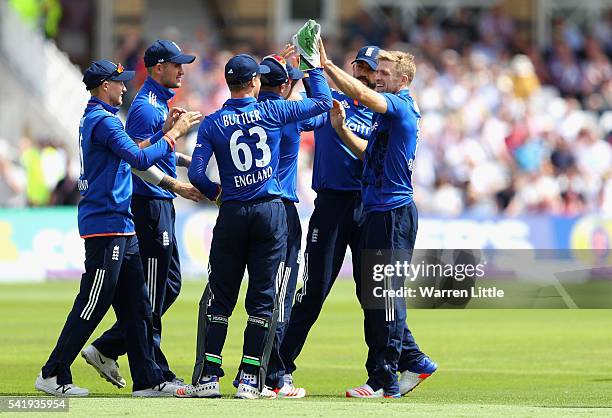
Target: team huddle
point(366, 134)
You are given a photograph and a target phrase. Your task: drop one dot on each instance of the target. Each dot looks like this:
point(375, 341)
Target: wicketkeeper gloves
point(306, 42)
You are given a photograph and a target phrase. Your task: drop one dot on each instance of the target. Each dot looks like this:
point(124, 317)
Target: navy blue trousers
point(113, 276)
point(333, 226)
point(251, 235)
point(285, 290)
point(154, 220)
point(391, 346)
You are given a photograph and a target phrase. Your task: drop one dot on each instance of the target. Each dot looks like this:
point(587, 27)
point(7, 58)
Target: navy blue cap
point(162, 51)
point(369, 55)
point(103, 70)
point(241, 68)
point(280, 71)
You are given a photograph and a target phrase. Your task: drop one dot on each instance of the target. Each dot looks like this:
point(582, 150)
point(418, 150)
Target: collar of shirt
point(268, 95)
point(403, 93)
point(245, 101)
point(93, 100)
point(163, 93)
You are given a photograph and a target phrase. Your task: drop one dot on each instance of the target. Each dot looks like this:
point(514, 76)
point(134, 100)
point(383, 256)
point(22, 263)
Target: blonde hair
point(404, 63)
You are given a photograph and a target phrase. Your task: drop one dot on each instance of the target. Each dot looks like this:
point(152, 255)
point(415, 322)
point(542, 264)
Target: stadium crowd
point(506, 128)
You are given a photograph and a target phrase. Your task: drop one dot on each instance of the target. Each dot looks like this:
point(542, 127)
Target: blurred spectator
point(43, 14)
point(12, 178)
point(506, 128)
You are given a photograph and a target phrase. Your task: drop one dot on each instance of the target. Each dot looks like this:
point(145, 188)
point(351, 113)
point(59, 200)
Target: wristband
point(171, 141)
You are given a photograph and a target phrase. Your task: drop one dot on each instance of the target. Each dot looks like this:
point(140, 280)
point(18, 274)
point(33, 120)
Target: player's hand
point(288, 52)
point(185, 122)
point(323, 54)
point(171, 118)
point(337, 115)
point(188, 191)
point(306, 42)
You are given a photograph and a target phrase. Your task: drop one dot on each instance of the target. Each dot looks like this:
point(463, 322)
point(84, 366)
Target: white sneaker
point(247, 386)
point(207, 387)
point(410, 379)
point(165, 389)
point(106, 367)
point(51, 387)
point(268, 393)
point(290, 392)
point(364, 391)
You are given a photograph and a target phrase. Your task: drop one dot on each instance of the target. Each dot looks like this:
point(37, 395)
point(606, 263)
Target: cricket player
point(335, 222)
point(391, 217)
point(113, 270)
point(276, 85)
point(251, 229)
point(152, 207)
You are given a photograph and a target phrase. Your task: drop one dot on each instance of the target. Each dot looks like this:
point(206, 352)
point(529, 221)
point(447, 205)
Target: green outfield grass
point(492, 362)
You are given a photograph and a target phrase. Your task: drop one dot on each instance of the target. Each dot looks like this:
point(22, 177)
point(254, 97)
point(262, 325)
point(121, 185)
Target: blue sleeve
point(285, 111)
point(199, 161)
point(156, 137)
point(312, 123)
point(110, 133)
point(142, 121)
point(396, 106)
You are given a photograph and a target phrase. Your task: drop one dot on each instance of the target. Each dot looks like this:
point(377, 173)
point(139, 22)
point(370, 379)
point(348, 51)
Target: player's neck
point(104, 98)
point(243, 94)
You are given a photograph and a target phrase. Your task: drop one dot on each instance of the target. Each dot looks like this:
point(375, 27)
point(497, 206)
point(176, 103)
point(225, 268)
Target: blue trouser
point(113, 276)
point(251, 235)
point(391, 346)
point(334, 226)
point(285, 290)
point(154, 220)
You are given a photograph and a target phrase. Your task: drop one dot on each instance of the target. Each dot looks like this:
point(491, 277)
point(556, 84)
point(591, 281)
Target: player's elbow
point(192, 175)
point(142, 163)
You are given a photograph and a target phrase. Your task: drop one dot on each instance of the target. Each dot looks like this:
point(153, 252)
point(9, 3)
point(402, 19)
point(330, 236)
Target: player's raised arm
point(351, 86)
point(320, 102)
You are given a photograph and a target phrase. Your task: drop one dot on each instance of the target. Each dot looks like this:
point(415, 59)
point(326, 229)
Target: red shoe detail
point(424, 375)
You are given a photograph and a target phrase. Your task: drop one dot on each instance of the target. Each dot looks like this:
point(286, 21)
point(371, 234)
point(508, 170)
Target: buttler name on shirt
point(241, 118)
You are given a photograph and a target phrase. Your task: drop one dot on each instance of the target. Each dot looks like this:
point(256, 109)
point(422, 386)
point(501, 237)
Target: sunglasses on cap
point(117, 71)
point(280, 60)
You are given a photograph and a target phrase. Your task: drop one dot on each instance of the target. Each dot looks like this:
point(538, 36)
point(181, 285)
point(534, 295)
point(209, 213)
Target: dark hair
point(239, 86)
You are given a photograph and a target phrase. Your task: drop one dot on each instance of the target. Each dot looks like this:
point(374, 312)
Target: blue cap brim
point(264, 69)
point(371, 63)
point(183, 59)
point(294, 73)
point(124, 76)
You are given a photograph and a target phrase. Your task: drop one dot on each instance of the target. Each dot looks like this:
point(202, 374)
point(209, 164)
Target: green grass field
point(492, 362)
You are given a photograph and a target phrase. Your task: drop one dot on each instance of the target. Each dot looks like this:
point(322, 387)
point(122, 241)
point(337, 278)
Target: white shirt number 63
point(236, 147)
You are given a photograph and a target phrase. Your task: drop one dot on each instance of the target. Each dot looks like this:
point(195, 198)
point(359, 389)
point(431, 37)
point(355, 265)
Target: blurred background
point(515, 95)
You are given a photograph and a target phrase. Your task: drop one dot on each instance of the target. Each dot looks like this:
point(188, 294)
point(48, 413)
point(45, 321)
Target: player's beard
point(367, 82)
